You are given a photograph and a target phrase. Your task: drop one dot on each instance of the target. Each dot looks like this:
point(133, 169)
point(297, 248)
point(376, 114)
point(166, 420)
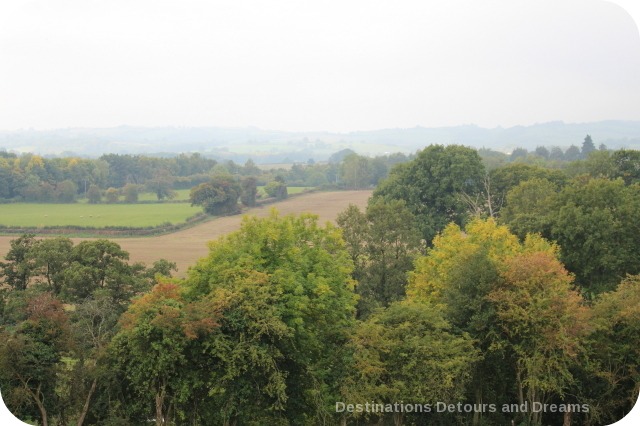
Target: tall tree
point(51, 258)
point(544, 321)
point(248, 191)
point(587, 146)
point(304, 271)
point(431, 185)
point(161, 184)
point(149, 350)
point(355, 171)
point(29, 357)
point(20, 268)
point(383, 242)
point(458, 274)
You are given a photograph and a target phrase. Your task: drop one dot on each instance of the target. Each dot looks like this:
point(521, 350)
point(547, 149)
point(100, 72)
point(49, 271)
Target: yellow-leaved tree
point(516, 300)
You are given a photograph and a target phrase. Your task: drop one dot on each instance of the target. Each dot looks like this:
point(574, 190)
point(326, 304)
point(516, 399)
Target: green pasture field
point(94, 215)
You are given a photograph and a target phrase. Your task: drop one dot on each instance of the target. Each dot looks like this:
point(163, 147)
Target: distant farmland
point(186, 246)
point(82, 214)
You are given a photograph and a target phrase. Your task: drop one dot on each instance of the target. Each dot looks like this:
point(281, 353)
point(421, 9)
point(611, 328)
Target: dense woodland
point(470, 277)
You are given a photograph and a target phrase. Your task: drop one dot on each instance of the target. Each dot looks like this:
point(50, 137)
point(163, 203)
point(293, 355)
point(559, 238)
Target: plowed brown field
point(187, 246)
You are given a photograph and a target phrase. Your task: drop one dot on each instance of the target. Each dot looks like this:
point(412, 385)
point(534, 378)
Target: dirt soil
point(185, 247)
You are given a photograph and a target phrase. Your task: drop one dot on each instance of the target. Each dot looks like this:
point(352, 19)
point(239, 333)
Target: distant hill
point(266, 146)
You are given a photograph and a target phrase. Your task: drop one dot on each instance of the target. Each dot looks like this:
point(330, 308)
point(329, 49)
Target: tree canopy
point(431, 186)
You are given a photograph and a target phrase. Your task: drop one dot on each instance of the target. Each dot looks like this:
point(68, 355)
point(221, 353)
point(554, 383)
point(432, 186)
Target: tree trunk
point(85, 408)
point(476, 414)
point(159, 404)
point(520, 390)
point(397, 419)
point(36, 397)
point(43, 411)
point(567, 419)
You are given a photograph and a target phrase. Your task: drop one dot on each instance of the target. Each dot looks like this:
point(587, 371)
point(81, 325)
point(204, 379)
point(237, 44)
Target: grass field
point(34, 215)
point(94, 215)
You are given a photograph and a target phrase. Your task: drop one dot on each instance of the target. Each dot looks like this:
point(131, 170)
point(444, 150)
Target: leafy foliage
point(431, 185)
point(595, 222)
point(299, 273)
point(408, 352)
point(218, 196)
point(382, 242)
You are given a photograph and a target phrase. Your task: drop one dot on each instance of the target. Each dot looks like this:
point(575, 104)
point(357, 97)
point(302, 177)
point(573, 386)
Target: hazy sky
point(316, 65)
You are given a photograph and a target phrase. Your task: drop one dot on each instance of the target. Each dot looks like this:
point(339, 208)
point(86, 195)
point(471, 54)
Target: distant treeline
point(115, 177)
point(32, 178)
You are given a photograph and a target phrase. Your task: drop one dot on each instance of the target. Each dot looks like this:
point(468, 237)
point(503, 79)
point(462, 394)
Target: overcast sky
point(316, 65)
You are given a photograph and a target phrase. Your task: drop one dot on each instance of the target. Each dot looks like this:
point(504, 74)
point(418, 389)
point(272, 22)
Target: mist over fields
point(272, 146)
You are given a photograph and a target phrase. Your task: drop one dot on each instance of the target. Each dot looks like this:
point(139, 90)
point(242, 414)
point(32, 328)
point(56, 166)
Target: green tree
point(250, 169)
point(51, 258)
point(383, 243)
point(528, 205)
point(556, 154)
point(599, 164)
point(518, 153)
point(587, 146)
point(303, 271)
point(593, 220)
point(94, 322)
point(249, 190)
point(94, 195)
point(29, 357)
point(277, 188)
point(161, 267)
point(408, 352)
point(217, 197)
point(542, 152)
point(614, 352)
point(66, 191)
point(627, 165)
point(356, 171)
point(157, 332)
point(431, 186)
point(597, 225)
point(338, 157)
point(506, 178)
point(457, 275)
point(20, 268)
point(102, 265)
point(572, 153)
point(131, 192)
point(161, 184)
